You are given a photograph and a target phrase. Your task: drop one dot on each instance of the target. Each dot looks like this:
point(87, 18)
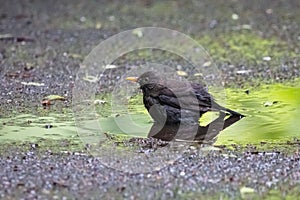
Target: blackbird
point(173, 102)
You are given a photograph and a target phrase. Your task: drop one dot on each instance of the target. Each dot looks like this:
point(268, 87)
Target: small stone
point(182, 173)
point(179, 67)
point(235, 16)
point(111, 18)
point(138, 32)
point(213, 24)
point(243, 71)
point(267, 58)
point(82, 19)
point(98, 25)
point(269, 11)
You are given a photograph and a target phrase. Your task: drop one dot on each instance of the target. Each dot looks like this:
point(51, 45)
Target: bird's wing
point(184, 97)
point(203, 96)
point(201, 93)
point(189, 96)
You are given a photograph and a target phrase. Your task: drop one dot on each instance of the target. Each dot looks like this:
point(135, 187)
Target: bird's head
point(146, 79)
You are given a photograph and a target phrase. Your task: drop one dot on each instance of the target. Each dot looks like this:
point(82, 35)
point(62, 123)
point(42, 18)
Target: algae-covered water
point(272, 115)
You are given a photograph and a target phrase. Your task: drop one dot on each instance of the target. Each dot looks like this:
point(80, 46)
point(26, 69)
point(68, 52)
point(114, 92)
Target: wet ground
point(256, 46)
point(212, 174)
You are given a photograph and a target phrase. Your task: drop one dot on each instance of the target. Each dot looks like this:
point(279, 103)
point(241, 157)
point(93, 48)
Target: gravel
point(222, 173)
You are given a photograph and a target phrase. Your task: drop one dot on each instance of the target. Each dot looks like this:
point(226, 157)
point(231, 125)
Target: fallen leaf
point(92, 79)
point(207, 64)
point(246, 191)
point(46, 103)
point(54, 97)
point(182, 73)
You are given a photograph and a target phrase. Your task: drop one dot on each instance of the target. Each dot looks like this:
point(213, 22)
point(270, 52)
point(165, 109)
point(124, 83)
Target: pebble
point(267, 58)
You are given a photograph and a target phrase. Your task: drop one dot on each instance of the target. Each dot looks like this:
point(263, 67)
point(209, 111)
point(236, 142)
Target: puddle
point(272, 115)
point(28, 127)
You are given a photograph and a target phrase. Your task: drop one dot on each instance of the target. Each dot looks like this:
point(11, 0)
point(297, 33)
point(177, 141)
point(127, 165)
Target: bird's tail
point(231, 112)
point(234, 112)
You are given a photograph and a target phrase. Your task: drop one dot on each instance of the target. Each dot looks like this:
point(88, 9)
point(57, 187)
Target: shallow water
point(29, 127)
point(272, 115)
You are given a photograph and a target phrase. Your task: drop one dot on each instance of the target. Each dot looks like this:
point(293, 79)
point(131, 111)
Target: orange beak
point(133, 79)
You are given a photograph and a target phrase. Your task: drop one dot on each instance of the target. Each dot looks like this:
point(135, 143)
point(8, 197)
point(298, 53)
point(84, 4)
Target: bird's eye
point(146, 79)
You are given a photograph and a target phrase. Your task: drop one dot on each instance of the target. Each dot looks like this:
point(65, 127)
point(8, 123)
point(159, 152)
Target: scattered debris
point(48, 99)
point(138, 32)
point(244, 71)
point(48, 126)
point(270, 103)
point(16, 38)
point(198, 74)
point(110, 67)
point(235, 16)
point(242, 27)
point(91, 79)
point(18, 74)
point(46, 103)
point(246, 191)
point(99, 102)
point(267, 58)
point(269, 11)
point(182, 73)
point(207, 64)
point(54, 97)
point(98, 25)
point(33, 84)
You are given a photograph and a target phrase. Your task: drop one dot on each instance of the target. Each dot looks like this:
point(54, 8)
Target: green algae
point(272, 115)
